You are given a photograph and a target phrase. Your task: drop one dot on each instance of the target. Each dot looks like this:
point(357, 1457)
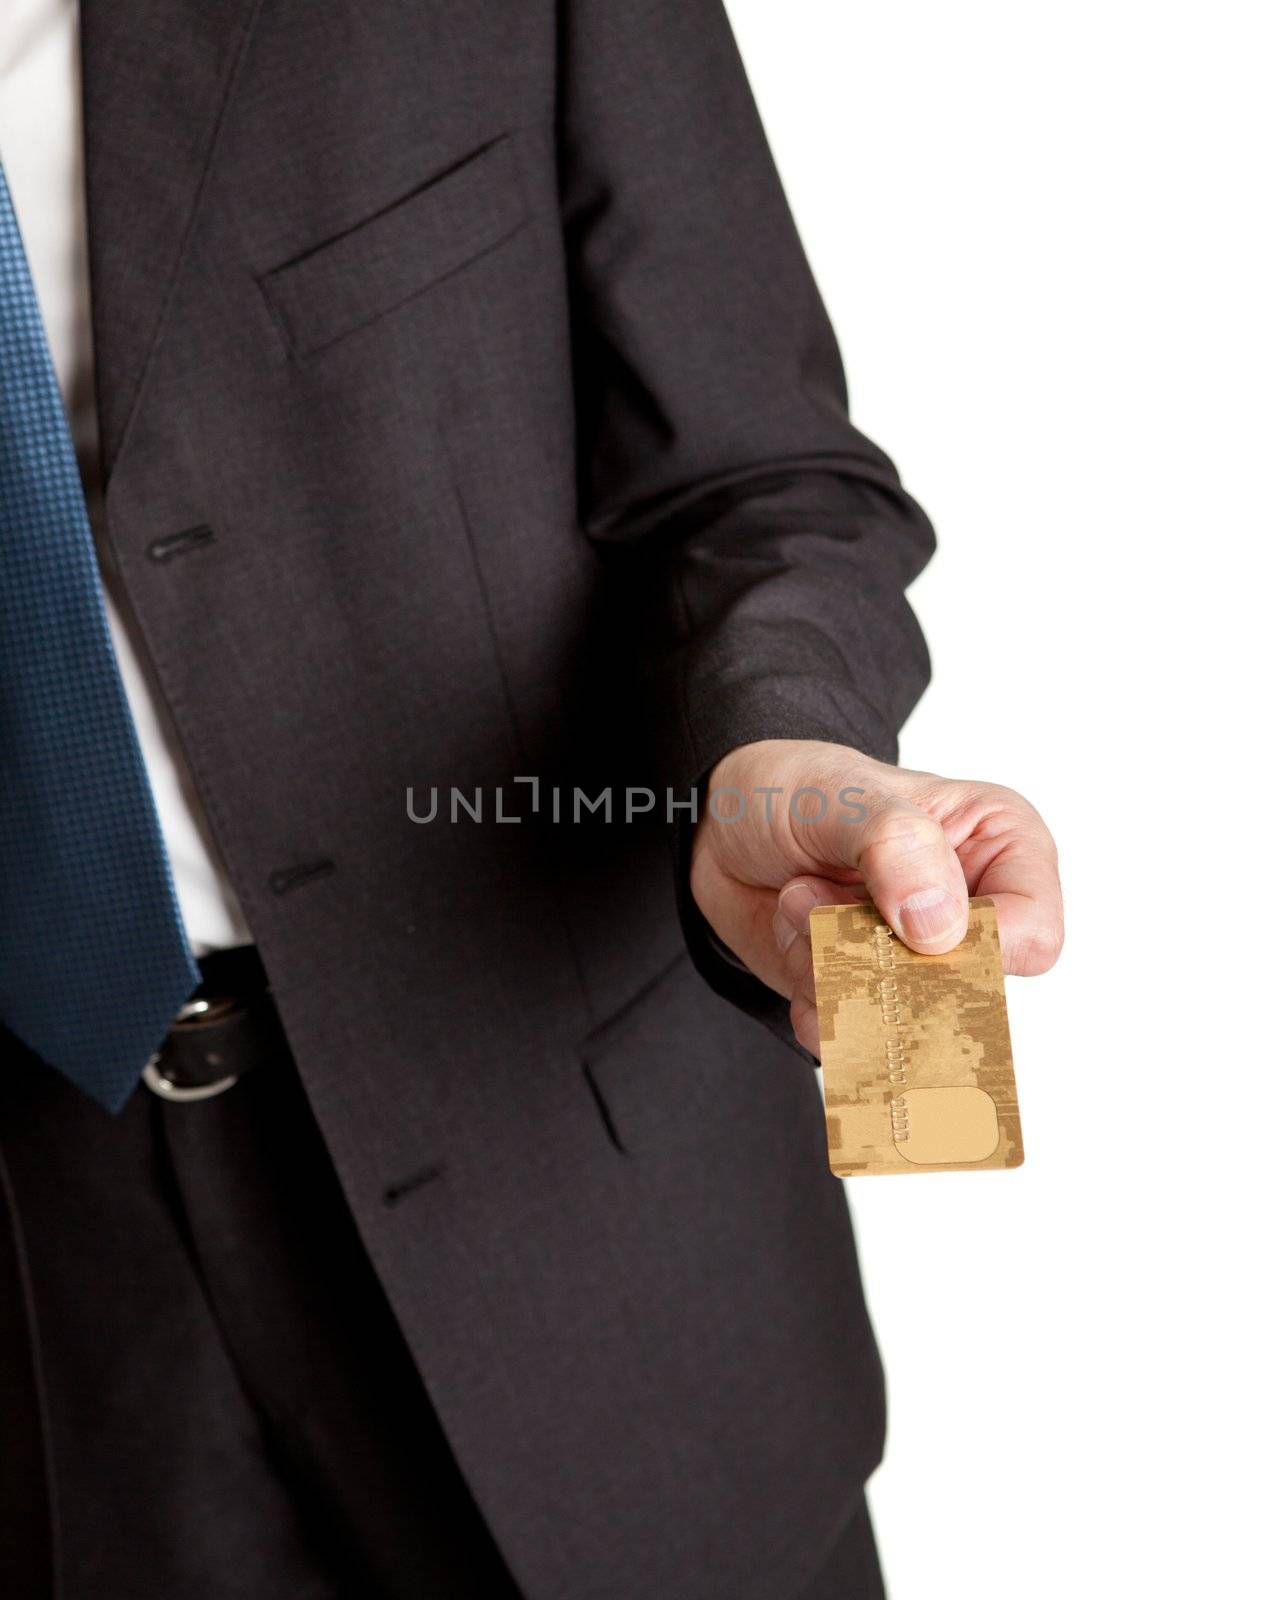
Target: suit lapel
point(156, 79)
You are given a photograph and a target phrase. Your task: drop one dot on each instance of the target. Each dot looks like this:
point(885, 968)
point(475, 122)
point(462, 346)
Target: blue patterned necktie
point(94, 963)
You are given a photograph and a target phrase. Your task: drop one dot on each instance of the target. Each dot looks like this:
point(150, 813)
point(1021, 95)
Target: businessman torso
point(405, 418)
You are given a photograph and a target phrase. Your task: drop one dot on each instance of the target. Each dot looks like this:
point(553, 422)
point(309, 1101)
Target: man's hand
point(915, 844)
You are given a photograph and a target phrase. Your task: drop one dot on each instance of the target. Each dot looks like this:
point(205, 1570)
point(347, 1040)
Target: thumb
point(910, 871)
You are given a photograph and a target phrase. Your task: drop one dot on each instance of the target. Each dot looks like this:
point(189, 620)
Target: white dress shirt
point(41, 145)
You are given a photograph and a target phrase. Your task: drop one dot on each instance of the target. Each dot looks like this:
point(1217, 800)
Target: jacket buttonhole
point(174, 544)
point(395, 1192)
point(286, 878)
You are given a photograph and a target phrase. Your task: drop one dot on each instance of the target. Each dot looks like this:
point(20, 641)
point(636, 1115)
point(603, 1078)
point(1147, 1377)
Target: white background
point(1037, 228)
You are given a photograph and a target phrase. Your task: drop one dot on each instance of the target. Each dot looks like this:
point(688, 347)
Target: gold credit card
point(915, 1050)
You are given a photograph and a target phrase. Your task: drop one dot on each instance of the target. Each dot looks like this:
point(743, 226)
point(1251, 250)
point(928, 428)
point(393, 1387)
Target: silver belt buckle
point(152, 1076)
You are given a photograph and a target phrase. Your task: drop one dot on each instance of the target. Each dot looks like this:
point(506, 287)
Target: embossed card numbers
point(915, 1050)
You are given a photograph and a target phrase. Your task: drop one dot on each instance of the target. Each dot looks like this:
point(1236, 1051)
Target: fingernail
point(784, 932)
point(928, 915)
point(794, 904)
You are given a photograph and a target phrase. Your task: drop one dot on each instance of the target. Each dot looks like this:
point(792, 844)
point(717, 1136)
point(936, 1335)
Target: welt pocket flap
point(641, 1014)
point(650, 1068)
point(358, 276)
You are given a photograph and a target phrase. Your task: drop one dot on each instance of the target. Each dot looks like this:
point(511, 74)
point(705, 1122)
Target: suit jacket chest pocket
point(351, 280)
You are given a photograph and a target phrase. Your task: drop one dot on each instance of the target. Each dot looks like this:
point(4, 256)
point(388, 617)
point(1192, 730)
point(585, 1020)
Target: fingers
point(806, 1024)
point(911, 871)
point(1012, 860)
point(742, 917)
point(835, 826)
point(830, 811)
point(1023, 880)
point(798, 962)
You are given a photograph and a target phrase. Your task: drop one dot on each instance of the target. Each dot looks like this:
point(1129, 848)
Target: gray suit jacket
point(469, 413)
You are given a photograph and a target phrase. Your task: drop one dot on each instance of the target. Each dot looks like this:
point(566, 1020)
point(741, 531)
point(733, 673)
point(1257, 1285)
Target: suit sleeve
point(772, 541)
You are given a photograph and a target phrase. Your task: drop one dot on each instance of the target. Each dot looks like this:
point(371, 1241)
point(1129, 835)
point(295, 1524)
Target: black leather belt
point(227, 1027)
